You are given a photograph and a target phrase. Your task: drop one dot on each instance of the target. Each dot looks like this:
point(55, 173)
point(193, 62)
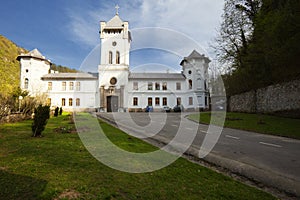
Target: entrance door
point(112, 104)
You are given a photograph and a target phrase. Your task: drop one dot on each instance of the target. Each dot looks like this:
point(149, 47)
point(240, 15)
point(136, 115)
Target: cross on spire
point(117, 9)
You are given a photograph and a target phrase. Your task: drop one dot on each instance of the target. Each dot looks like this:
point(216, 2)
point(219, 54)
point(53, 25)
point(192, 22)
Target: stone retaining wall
point(274, 98)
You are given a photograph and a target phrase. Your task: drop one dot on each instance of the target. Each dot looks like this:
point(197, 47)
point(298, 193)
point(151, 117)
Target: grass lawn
point(267, 124)
point(57, 166)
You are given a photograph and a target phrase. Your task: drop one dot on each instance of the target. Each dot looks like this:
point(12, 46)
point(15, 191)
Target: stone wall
point(274, 98)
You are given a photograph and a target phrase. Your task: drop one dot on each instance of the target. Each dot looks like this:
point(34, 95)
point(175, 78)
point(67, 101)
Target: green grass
point(266, 124)
point(57, 165)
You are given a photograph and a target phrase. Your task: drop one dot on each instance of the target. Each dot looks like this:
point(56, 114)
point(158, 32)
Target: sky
point(67, 31)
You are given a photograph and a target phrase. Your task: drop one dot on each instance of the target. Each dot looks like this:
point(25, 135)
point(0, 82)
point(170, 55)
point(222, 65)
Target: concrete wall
point(274, 98)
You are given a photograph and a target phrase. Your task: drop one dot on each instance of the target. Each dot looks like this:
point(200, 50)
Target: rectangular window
point(178, 86)
point(77, 86)
point(26, 83)
point(77, 102)
point(150, 86)
point(164, 86)
point(63, 102)
point(157, 86)
point(157, 103)
point(135, 101)
point(135, 85)
point(190, 101)
point(70, 102)
point(165, 101)
point(149, 101)
point(49, 86)
point(49, 101)
point(190, 84)
point(63, 86)
point(178, 100)
point(71, 85)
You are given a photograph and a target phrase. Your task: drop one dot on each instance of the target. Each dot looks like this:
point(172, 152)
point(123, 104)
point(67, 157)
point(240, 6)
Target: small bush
point(56, 112)
point(60, 111)
point(41, 116)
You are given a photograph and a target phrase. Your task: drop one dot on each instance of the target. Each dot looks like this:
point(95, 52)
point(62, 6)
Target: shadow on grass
point(13, 186)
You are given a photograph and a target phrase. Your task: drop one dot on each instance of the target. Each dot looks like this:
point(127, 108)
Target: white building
point(115, 88)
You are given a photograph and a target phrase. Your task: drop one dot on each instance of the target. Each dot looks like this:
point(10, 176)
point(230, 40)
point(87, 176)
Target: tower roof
point(35, 53)
point(115, 22)
point(195, 55)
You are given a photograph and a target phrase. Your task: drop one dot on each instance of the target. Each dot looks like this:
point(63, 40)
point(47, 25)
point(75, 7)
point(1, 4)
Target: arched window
point(110, 58)
point(118, 57)
point(26, 83)
point(190, 84)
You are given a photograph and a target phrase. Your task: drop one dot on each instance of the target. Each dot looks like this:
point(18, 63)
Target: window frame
point(150, 86)
point(164, 86)
point(164, 101)
point(178, 85)
point(64, 86)
point(157, 101)
point(63, 102)
point(135, 101)
point(70, 102)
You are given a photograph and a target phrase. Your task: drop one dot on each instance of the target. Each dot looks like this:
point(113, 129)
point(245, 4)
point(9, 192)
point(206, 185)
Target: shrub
point(56, 112)
point(60, 111)
point(41, 116)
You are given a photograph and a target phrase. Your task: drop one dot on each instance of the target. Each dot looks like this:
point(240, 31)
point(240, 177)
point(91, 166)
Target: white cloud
point(196, 19)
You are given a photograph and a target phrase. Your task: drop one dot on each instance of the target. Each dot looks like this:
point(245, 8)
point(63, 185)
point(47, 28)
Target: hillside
point(9, 66)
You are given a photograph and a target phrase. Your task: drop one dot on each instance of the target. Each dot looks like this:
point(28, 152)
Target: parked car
point(178, 108)
point(149, 109)
point(166, 109)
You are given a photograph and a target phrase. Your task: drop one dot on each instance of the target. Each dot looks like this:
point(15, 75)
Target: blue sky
point(67, 31)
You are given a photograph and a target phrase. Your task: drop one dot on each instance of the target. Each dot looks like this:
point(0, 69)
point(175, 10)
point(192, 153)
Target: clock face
point(114, 43)
point(113, 81)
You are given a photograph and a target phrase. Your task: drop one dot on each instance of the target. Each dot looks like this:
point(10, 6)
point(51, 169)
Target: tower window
point(26, 70)
point(26, 83)
point(190, 72)
point(49, 86)
point(190, 84)
point(178, 86)
point(110, 58)
point(190, 100)
point(118, 57)
point(48, 101)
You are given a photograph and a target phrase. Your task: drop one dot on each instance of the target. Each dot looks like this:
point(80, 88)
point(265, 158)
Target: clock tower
point(114, 63)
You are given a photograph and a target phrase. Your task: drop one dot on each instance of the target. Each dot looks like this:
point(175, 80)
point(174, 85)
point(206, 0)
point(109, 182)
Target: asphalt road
point(270, 160)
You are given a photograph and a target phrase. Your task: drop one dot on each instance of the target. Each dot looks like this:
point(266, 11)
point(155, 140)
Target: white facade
point(115, 88)
point(72, 91)
point(33, 66)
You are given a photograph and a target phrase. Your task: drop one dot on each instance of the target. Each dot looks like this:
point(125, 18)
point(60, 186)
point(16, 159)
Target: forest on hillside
point(259, 43)
point(10, 67)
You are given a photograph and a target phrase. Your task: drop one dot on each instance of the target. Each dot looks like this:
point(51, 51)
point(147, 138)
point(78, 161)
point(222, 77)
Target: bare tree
point(235, 31)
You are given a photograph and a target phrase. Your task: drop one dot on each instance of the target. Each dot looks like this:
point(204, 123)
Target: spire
point(117, 9)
